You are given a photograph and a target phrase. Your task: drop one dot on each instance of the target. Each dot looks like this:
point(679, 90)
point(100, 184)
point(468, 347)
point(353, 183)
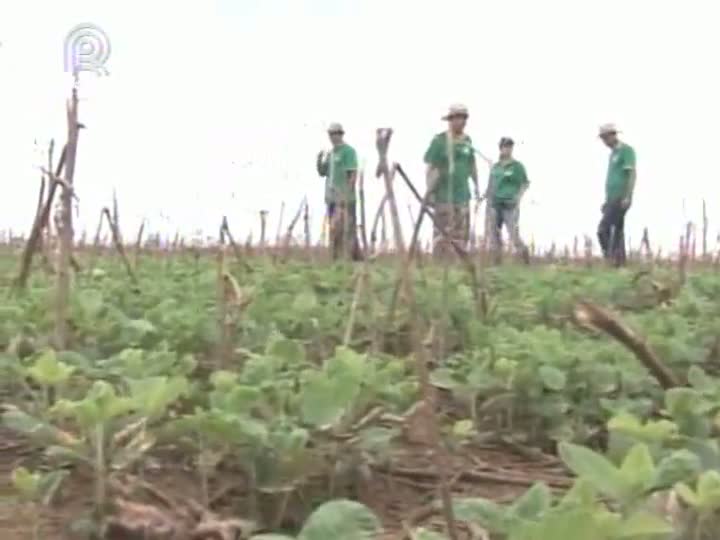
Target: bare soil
point(402, 495)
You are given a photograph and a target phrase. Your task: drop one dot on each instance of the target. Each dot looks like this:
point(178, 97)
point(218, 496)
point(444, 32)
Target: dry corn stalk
point(420, 353)
point(263, 227)
point(117, 241)
point(65, 226)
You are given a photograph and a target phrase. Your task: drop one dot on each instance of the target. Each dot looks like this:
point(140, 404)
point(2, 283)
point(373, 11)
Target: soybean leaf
point(642, 525)
point(48, 371)
point(638, 468)
point(344, 519)
point(425, 534)
point(595, 468)
point(484, 512)
point(552, 378)
point(533, 503)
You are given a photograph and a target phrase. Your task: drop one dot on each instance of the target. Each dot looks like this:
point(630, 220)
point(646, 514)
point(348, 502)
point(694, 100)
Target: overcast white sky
point(218, 107)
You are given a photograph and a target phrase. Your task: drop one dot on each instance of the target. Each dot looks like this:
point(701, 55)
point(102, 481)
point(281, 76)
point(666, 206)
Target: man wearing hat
point(506, 187)
point(450, 161)
point(619, 186)
point(339, 168)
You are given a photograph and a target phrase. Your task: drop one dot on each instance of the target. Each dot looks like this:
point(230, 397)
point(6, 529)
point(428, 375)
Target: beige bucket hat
point(456, 109)
point(608, 129)
point(335, 127)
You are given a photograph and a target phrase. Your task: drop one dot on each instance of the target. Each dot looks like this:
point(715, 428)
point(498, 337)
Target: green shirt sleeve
point(522, 174)
point(628, 157)
point(433, 155)
point(350, 159)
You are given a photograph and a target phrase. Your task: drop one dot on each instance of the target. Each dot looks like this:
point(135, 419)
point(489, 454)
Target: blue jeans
point(611, 232)
point(508, 213)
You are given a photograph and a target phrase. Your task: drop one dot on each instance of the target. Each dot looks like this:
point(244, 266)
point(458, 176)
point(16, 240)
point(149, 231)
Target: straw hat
point(456, 110)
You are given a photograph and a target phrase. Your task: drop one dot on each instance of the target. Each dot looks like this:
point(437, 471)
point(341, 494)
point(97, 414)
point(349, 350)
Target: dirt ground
point(400, 495)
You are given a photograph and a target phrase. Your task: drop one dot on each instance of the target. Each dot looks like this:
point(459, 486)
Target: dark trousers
point(611, 232)
point(342, 218)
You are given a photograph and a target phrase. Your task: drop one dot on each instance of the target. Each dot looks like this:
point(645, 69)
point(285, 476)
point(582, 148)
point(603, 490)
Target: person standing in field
point(506, 187)
point(619, 186)
point(450, 161)
point(339, 168)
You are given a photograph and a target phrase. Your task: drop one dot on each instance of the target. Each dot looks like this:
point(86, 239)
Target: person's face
point(610, 139)
point(336, 137)
point(506, 151)
point(457, 122)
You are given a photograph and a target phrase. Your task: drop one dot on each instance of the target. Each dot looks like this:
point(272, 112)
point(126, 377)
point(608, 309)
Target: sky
point(218, 107)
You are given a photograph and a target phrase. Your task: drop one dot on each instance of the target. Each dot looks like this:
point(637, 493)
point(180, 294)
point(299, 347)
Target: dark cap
point(506, 141)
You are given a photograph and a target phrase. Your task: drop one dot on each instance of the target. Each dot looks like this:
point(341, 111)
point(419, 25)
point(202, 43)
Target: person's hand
point(625, 203)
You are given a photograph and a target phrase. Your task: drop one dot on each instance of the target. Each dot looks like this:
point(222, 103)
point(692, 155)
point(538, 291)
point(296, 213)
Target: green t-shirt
point(507, 179)
point(622, 160)
point(455, 190)
point(342, 160)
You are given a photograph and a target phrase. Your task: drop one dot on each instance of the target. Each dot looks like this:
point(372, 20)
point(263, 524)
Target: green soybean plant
point(338, 519)
point(37, 490)
point(106, 431)
point(702, 519)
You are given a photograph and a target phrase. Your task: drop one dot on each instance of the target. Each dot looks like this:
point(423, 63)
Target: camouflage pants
point(454, 219)
point(343, 230)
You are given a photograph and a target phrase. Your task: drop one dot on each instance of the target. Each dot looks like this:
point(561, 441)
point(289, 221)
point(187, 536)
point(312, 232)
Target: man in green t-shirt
point(506, 187)
point(339, 168)
point(450, 161)
point(619, 186)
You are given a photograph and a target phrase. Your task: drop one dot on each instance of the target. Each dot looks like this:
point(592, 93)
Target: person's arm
point(490, 188)
point(525, 182)
point(352, 179)
point(474, 176)
point(432, 175)
point(433, 159)
point(351, 166)
point(321, 164)
point(630, 186)
point(631, 175)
